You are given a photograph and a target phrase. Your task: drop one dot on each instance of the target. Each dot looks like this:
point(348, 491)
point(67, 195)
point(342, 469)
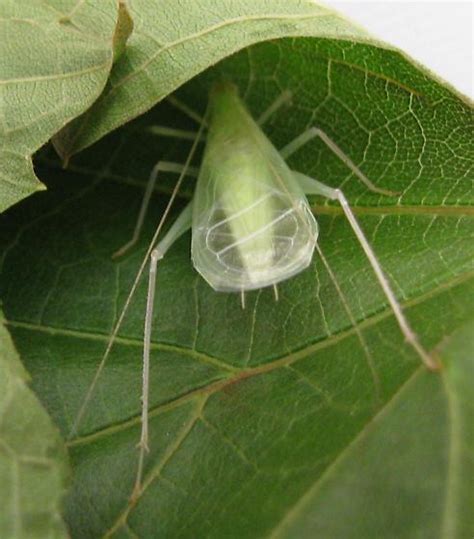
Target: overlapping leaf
point(33, 463)
point(55, 60)
point(161, 54)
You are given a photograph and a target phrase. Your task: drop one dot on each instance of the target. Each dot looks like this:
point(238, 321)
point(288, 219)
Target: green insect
point(251, 223)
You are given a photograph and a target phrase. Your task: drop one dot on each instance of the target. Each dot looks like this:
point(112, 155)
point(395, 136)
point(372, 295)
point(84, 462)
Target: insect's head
point(223, 87)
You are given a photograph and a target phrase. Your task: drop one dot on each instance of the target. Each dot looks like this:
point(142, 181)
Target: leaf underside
point(272, 421)
point(56, 58)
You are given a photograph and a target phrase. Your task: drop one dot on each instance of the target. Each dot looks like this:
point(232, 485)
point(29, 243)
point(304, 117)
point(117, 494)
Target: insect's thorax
point(251, 222)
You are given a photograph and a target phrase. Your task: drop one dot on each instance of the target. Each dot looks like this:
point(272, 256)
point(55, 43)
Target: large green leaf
point(33, 460)
point(56, 56)
point(257, 414)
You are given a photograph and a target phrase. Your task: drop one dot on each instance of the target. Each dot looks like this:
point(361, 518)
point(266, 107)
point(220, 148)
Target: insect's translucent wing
point(252, 226)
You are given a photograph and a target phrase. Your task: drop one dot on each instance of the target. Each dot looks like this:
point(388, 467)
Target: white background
point(439, 34)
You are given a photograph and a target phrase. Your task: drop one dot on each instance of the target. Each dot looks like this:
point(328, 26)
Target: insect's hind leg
point(118, 324)
point(181, 225)
point(161, 166)
point(313, 187)
point(314, 132)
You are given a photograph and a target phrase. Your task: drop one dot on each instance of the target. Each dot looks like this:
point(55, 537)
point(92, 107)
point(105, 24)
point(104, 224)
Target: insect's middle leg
point(313, 187)
point(316, 132)
point(161, 166)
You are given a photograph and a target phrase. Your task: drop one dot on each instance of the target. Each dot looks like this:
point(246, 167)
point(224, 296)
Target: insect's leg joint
point(143, 446)
point(155, 256)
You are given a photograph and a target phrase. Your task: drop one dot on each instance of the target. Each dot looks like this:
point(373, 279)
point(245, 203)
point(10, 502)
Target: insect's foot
point(431, 363)
point(124, 249)
point(387, 192)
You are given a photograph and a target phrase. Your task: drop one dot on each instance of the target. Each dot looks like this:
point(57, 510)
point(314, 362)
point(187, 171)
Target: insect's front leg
point(283, 99)
point(161, 166)
point(315, 132)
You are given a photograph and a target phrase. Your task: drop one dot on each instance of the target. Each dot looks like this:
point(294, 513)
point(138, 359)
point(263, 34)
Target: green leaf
point(162, 55)
point(33, 463)
point(254, 412)
point(56, 57)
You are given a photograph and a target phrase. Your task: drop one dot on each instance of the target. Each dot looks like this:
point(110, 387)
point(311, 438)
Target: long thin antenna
point(353, 321)
point(115, 331)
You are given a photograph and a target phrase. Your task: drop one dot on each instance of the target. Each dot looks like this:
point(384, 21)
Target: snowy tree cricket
point(251, 223)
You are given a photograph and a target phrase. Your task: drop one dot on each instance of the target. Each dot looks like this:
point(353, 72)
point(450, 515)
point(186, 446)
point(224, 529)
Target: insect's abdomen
point(252, 226)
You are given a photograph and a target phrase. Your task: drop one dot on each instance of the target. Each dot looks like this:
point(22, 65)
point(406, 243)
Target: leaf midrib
point(283, 361)
point(329, 208)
